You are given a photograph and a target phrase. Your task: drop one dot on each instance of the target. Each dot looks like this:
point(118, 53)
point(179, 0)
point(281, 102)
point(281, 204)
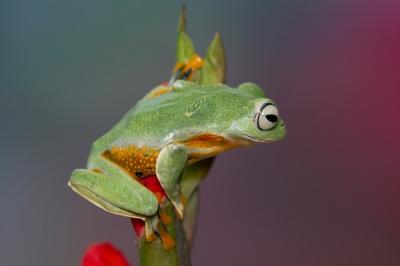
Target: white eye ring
point(267, 116)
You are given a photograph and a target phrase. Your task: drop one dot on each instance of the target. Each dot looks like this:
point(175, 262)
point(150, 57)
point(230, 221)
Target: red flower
point(103, 254)
point(138, 226)
point(152, 183)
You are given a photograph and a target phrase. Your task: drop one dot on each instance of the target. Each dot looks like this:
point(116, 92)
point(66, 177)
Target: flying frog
point(164, 133)
point(173, 133)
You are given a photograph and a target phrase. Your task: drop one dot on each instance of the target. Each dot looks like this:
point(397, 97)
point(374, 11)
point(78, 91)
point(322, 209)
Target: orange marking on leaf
point(165, 218)
point(193, 64)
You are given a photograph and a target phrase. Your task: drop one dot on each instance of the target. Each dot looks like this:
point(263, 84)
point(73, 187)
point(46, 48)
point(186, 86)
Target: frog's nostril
point(271, 118)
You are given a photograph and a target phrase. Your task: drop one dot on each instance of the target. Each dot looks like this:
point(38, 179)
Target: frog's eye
point(267, 116)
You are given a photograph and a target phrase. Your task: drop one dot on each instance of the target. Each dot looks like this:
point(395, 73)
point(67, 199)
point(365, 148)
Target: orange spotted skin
point(137, 161)
point(140, 162)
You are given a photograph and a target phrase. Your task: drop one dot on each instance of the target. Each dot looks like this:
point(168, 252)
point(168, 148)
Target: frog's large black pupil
point(272, 118)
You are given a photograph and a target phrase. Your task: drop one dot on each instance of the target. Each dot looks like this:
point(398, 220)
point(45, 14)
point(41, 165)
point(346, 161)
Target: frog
point(173, 133)
point(163, 134)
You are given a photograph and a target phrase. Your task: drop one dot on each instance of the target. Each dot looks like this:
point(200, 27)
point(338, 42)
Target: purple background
point(326, 195)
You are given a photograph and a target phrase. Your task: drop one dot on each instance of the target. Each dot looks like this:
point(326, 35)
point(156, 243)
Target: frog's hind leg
point(113, 190)
point(86, 183)
point(153, 225)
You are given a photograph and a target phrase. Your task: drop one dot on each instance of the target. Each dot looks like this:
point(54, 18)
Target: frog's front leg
point(169, 167)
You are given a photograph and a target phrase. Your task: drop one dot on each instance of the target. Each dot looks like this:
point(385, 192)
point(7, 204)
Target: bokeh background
point(326, 195)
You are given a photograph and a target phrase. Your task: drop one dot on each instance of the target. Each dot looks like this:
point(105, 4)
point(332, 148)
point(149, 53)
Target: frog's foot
point(154, 227)
point(150, 224)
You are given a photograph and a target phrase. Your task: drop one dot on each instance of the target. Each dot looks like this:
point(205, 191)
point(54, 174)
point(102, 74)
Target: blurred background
point(326, 195)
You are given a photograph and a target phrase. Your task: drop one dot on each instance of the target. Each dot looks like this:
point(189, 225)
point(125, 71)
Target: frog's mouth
point(253, 139)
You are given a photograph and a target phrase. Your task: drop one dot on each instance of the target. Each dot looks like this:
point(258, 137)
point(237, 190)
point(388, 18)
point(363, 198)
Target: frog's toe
point(177, 200)
point(178, 205)
point(154, 227)
point(179, 209)
point(150, 226)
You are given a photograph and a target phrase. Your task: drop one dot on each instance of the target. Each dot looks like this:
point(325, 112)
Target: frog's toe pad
point(178, 207)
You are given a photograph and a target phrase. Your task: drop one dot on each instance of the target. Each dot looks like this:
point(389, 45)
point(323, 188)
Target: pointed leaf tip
point(214, 70)
point(182, 20)
point(184, 48)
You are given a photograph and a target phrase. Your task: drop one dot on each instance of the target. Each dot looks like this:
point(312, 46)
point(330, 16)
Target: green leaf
point(182, 20)
point(214, 68)
point(184, 48)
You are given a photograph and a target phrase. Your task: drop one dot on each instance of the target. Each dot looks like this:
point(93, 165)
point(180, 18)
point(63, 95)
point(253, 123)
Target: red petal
point(138, 226)
point(152, 183)
point(103, 254)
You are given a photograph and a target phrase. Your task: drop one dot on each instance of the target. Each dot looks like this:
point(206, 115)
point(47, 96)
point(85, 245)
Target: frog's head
point(260, 121)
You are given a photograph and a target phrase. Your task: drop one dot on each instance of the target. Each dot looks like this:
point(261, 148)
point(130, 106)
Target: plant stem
point(154, 254)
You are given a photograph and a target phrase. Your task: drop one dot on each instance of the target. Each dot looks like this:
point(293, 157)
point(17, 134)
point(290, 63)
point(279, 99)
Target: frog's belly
point(141, 161)
point(137, 161)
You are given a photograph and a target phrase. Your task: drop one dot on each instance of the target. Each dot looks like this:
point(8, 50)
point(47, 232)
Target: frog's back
point(177, 115)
